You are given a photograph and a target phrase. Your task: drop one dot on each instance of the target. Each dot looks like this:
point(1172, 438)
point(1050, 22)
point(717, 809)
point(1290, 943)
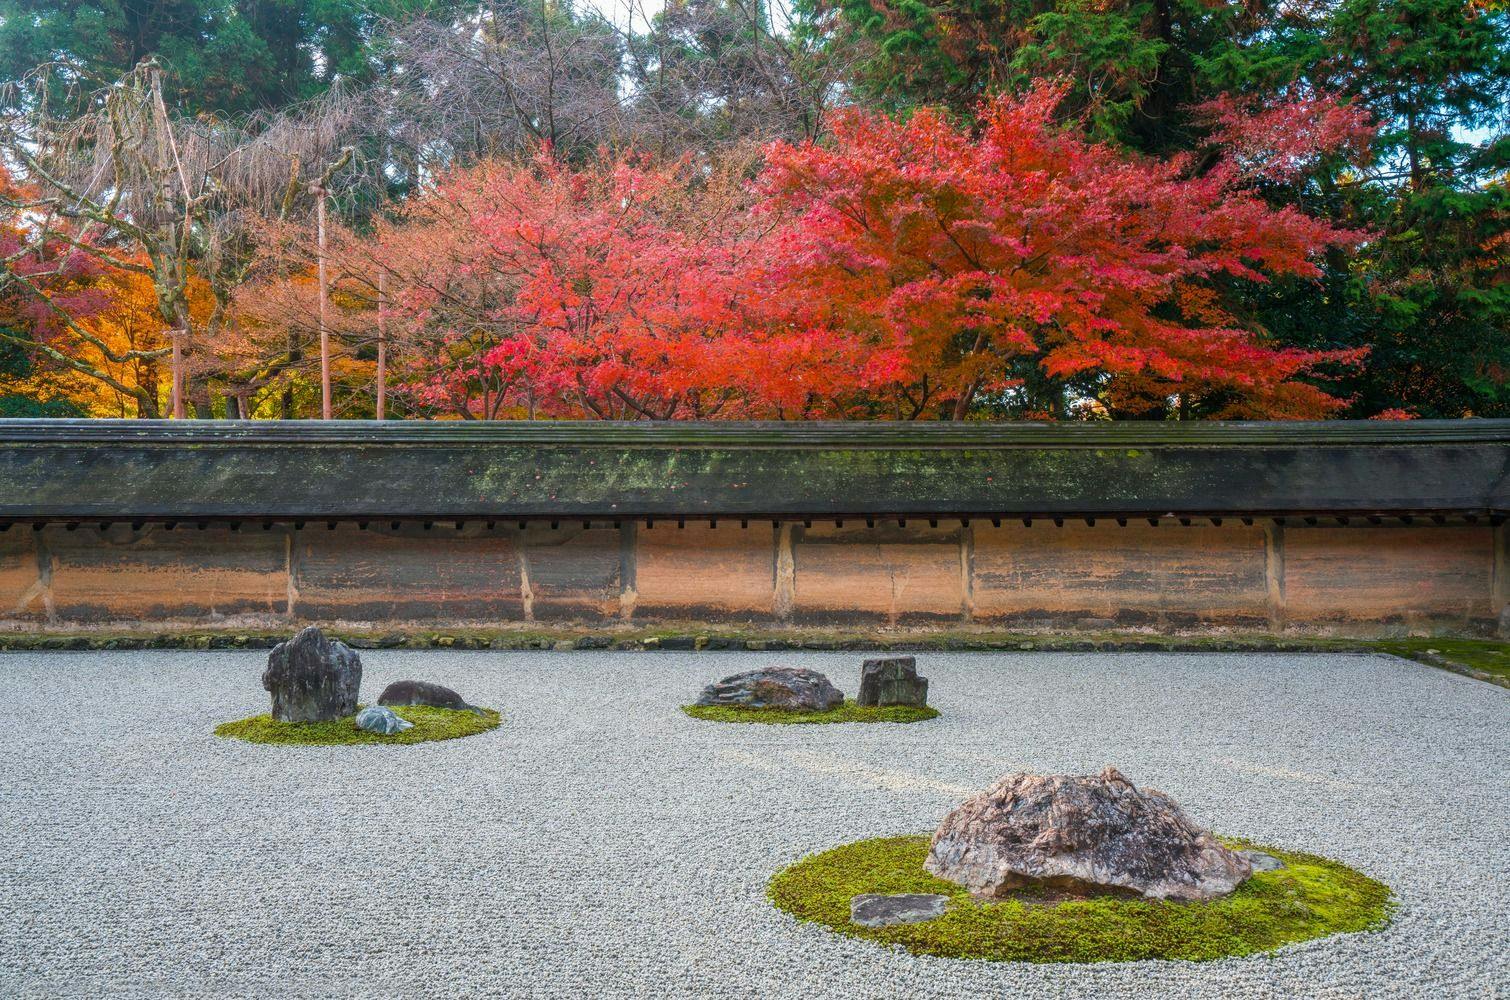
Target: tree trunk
point(962, 405)
point(147, 406)
point(199, 395)
point(382, 358)
point(325, 407)
point(177, 392)
point(295, 359)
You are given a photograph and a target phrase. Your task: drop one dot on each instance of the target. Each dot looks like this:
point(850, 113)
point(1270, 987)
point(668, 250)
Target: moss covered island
point(848, 712)
point(1311, 897)
point(430, 724)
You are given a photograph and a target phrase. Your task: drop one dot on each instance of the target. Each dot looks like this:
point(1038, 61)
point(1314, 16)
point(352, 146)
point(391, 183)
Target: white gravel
point(601, 844)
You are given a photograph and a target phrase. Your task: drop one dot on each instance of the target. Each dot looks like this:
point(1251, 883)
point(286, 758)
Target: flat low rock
point(879, 910)
point(1081, 834)
point(423, 693)
point(312, 678)
point(791, 688)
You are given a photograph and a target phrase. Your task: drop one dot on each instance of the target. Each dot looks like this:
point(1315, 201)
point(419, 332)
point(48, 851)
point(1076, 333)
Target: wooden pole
point(325, 407)
point(178, 375)
point(382, 359)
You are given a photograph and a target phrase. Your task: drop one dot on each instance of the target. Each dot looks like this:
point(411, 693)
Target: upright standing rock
point(312, 678)
point(892, 680)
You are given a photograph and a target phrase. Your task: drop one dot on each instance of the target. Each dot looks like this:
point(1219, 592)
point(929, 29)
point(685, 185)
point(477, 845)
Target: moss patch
point(430, 724)
point(1483, 659)
point(848, 712)
point(1311, 898)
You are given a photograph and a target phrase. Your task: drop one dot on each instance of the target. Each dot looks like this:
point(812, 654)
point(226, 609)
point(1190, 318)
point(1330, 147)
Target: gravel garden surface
point(602, 843)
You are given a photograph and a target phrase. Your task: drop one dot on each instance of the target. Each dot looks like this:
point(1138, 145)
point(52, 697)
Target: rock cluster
point(312, 678)
point(316, 679)
point(892, 680)
point(1081, 835)
point(790, 688)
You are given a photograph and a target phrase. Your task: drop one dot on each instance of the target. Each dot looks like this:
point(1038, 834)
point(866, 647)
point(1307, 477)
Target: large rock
point(1081, 835)
point(312, 678)
point(775, 687)
point(424, 693)
point(892, 680)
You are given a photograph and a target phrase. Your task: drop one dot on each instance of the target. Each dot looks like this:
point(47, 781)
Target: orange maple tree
point(72, 324)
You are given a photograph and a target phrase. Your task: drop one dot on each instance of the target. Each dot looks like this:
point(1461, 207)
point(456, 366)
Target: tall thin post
point(382, 361)
point(178, 375)
point(325, 407)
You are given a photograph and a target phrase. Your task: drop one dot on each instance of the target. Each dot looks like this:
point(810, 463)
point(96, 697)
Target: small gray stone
point(876, 910)
point(381, 720)
point(1262, 862)
point(892, 680)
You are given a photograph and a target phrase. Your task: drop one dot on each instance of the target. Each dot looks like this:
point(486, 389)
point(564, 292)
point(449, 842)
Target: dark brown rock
point(775, 687)
point(423, 693)
point(892, 680)
point(312, 678)
point(1081, 835)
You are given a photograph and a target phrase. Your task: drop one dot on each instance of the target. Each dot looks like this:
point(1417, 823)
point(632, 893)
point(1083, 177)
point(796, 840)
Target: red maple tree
point(619, 289)
point(1019, 257)
point(906, 268)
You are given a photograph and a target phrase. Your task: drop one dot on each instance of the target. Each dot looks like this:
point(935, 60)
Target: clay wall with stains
point(1303, 576)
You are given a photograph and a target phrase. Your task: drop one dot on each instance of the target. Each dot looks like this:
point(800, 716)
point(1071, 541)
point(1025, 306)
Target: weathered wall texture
point(886, 573)
point(346, 574)
point(700, 572)
point(1135, 575)
point(1354, 579)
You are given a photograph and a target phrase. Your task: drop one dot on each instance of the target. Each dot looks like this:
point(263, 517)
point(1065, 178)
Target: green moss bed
point(1310, 898)
point(430, 724)
point(1484, 659)
point(848, 712)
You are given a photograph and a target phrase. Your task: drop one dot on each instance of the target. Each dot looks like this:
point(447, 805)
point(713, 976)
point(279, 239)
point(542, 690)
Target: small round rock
point(381, 720)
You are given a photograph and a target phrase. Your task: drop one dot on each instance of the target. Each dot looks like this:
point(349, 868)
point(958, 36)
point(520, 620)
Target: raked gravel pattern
point(601, 844)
